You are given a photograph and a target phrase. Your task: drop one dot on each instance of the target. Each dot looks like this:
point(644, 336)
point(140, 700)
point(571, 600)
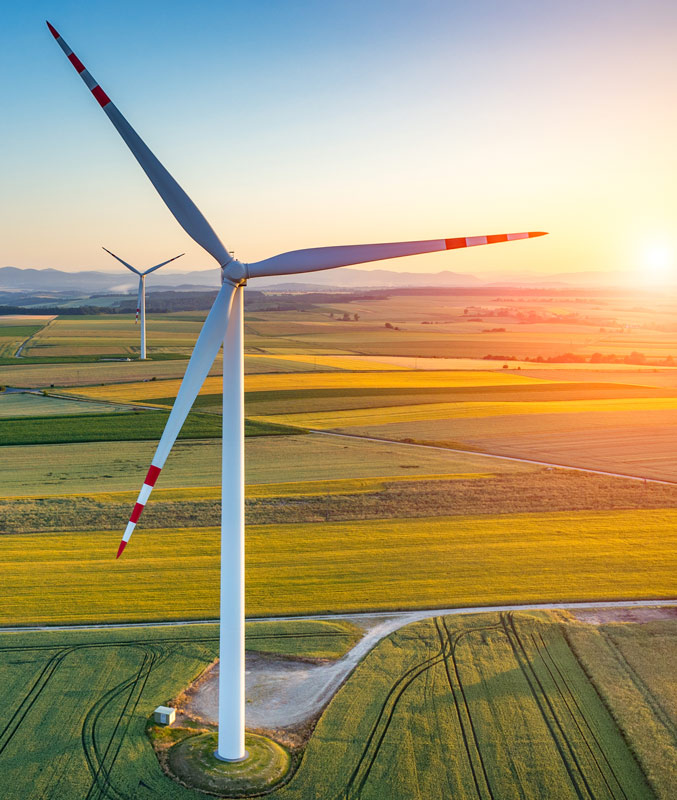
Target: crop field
point(315, 381)
point(22, 404)
point(43, 470)
point(507, 492)
point(344, 566)
point(631, 443)
point(113, 334)
point(486, 706)
point(639, 689)
point(37, 376)
point(12, 336)
point(481, 706)
point(428, 412)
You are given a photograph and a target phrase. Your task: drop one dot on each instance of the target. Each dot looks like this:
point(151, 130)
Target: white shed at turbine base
point(164, 715)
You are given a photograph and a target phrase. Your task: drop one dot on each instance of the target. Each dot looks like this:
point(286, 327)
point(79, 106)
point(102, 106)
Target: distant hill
point(88, 282)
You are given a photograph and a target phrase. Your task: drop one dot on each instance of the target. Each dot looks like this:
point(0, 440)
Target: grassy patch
point(192, 760)
point(310, 638)
point(356, 499)
point(343, 566)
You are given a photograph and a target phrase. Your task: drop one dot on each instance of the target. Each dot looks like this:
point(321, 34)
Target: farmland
point(459, 706)
point(492, 705)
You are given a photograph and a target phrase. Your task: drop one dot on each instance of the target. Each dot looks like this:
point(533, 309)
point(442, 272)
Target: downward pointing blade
point(138, 299)
point(317, 258)
point(177, 201)
point(207, 346)
point(157, 266)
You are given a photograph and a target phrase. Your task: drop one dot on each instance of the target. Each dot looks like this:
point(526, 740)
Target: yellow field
point(338, 362)
point(324, 420)
point(269, 382)
point(347, 566)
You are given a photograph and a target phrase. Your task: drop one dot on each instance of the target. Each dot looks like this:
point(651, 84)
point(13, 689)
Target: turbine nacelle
point(235, 272)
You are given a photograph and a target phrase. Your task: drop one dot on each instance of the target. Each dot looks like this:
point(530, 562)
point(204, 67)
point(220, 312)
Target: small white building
point(164, 715)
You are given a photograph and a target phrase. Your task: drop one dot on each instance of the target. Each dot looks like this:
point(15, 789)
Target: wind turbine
point(141, 297)
point(224, 325)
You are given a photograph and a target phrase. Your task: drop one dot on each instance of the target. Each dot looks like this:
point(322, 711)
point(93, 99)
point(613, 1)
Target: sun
point(658, 264)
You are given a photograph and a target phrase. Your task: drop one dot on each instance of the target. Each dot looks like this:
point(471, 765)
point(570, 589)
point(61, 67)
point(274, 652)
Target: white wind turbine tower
point(223, 325)
point(141, 297)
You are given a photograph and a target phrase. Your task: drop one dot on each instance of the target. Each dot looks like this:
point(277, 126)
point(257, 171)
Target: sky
point(297, 124)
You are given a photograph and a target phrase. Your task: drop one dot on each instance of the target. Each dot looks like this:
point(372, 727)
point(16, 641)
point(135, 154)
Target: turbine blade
point(157, 266)
point(138, 300)
point(317, 258)
point(177, 201)
point(129, 266)
point(207, 346)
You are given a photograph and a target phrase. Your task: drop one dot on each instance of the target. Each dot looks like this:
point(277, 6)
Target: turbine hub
point(235, 272)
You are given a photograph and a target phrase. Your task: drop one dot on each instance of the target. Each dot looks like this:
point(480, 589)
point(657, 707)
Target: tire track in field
point(551, 720)
point(366, 761)
point(31, 697)
point(578, 717)
point(102, 786)
point(466, 705)
point(99, 764)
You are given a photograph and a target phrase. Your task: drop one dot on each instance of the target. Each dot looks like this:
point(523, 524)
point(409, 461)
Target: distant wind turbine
point(141, 297)
point(223, 325)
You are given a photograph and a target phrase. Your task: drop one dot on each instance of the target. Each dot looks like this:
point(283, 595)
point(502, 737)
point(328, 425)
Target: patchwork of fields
point(489, 706)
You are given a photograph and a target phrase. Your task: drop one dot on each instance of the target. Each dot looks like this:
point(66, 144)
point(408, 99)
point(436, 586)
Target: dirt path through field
point(283, 692)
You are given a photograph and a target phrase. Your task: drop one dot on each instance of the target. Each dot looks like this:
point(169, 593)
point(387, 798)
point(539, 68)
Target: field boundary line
point(407, 615)
point(496, 455)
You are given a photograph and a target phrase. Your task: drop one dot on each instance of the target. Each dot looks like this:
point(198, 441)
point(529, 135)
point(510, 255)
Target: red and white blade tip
point(123, 544)
point(473, 241)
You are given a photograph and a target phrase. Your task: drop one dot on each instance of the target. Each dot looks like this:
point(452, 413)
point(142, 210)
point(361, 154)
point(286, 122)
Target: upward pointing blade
point(207, 346)
point(157, 266)
point(117, 258)
point(177, 201)
point(316, 258)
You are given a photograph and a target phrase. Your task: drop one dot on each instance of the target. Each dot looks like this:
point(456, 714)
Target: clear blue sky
point(295, 124)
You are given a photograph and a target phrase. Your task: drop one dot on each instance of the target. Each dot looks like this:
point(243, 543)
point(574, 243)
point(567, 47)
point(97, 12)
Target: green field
point(134, 426)
point(488, 706)
point(90, 695)
point(327, 567)
point(308, 639)
point(632, 667)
